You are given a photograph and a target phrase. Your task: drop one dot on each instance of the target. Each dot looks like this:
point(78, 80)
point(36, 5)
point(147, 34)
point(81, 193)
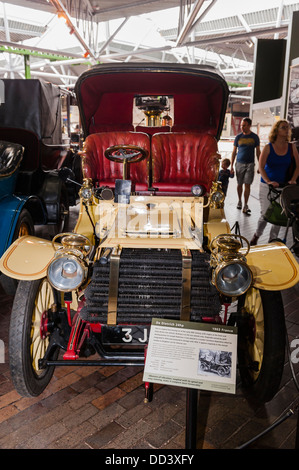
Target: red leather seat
point(181, 160)
point(104, 171)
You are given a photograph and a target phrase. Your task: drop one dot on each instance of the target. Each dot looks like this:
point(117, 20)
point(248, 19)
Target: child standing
point(225, 174)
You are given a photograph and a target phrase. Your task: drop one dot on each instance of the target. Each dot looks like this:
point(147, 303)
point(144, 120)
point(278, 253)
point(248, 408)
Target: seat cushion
point(97, 167)
point(181, 160)
point(10, 157)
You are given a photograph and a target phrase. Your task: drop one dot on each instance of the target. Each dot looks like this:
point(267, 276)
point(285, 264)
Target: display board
point(293, 98)
point(269, 70)
point(193, 355)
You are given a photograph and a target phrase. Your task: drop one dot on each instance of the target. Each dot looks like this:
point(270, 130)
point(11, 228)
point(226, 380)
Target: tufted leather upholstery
point(104, 171)
point(10, 157)
point(181, 160)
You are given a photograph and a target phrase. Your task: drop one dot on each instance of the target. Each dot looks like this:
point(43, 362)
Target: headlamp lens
point(66, 273)
point(233, 279)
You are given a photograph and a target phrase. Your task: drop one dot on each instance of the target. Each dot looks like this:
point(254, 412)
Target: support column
point(191, 418)
point(27, 66)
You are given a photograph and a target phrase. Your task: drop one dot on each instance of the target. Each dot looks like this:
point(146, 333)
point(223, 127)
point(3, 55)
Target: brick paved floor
point(103, 407)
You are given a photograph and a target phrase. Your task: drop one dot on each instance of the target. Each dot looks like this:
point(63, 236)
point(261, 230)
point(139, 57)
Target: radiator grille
point(150, 285)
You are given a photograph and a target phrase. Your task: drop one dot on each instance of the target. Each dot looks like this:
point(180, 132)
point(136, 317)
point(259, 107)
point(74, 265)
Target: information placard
point(192, 355)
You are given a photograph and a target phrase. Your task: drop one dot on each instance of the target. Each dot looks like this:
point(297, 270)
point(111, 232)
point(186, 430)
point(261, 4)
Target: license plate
point(125, 334)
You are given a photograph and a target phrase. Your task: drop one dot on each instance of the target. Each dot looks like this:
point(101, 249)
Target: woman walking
point(275, 162)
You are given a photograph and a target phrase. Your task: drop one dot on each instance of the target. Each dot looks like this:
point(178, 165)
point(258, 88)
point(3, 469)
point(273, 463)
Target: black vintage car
point(32, 148)
point(151, 239)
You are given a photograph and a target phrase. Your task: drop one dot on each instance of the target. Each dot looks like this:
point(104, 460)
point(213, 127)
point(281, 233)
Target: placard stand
point(191, 418)
point(197, 356)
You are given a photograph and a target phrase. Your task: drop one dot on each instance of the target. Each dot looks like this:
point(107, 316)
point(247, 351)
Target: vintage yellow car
point(151, 239)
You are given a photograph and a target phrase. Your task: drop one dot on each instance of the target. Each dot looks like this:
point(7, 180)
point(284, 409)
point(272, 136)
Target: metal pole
point(7, 36)
point(191, 418)
point(27, 66)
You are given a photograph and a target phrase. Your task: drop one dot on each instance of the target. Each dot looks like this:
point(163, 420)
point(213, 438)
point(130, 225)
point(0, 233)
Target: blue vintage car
point(18, 212)
point(31, 152)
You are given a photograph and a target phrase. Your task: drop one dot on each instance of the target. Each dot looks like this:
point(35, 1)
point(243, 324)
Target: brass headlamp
point(231, 275)
point(68, 270)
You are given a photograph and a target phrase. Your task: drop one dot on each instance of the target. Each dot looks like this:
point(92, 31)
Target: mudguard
point(27, 258)
point(273, 266)
point(10, 210)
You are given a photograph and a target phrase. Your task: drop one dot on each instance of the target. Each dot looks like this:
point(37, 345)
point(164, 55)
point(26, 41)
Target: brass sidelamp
point(231, 274)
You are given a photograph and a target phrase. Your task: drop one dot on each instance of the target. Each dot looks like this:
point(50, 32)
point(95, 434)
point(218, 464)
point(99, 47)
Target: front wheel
point(27, 338)
point(261, 342)
point(24, 225)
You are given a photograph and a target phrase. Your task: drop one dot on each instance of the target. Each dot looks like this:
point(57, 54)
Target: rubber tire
point(24, 218)
point(25, 379)
point(263, 386)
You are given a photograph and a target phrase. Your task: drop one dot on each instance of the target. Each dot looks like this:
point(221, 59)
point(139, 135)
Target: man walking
point(245, 145)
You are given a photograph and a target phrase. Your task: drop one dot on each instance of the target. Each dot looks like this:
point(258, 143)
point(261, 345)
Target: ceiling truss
point(226, 44)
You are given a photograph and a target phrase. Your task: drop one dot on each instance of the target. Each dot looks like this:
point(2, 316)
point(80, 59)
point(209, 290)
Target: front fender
point(10, 209)
point(273, 266)
point(27, 258)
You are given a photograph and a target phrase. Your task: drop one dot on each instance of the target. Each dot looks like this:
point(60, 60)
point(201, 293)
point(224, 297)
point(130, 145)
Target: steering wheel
point(128, 153)
point(125, 154)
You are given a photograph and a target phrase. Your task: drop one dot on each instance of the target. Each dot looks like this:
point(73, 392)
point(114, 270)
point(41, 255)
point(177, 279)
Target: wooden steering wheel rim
point(114, 148)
